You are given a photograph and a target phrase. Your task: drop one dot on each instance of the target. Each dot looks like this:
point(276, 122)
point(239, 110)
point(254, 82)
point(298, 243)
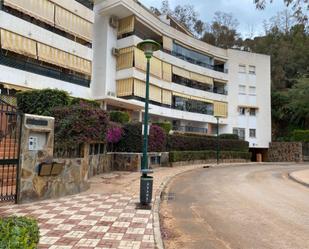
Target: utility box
point(146, 189)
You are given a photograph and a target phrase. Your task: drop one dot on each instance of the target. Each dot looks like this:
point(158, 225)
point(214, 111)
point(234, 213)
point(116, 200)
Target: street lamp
point(218, 145)
point(148, 46)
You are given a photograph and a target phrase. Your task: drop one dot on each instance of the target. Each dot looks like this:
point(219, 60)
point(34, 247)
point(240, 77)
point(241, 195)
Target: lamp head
point(148, 46)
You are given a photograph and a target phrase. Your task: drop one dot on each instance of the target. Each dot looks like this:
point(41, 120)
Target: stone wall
point(72, 177)
point(101, 163)
point(132, 161)
point(285, 152)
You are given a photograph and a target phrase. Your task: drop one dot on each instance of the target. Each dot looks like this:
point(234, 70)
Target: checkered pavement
point(89, 221)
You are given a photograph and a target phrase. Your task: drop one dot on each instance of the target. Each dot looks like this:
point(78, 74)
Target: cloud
point(250, 19)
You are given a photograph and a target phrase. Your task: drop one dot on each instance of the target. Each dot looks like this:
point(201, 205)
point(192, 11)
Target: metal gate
point(306, 151)
point(10, 131)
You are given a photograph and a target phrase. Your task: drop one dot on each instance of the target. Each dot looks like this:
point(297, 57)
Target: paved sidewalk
point(103, 217)
point(301, 176)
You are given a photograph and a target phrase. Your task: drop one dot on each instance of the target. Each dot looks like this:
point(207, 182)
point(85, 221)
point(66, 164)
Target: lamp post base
point(146, 185)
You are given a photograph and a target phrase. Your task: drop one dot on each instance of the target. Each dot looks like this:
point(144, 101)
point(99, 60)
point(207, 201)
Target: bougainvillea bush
point(157, 139)
point(79, 124)
point(114, 134)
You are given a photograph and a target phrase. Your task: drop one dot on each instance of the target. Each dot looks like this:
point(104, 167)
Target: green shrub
point(195, 143)
point(300, 135)
point(229, 136)
point(19, 232)
point(192, 134)
point(41, 102)
point(81, 101)
point(132, 140)
point(119, 117)
point(179, 156)
point(166, 126)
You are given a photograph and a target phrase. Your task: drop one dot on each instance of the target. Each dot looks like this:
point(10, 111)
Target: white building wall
point(104, 63)
point(261, 80)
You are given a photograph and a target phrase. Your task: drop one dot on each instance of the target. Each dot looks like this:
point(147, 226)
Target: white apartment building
point(93, 54)
point(46, 43)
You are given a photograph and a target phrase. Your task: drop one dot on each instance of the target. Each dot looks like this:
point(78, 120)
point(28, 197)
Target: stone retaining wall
point(285, 152)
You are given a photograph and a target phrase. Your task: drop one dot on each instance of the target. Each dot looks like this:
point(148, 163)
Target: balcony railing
point(199, 63)
point(86, 3)
point(190, 129)
point(42, 70)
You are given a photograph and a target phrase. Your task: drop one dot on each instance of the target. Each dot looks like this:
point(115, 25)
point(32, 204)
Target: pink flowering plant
point(114, 134)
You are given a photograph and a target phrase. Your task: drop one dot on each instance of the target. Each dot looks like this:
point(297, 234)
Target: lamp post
point(218, 145)
point(148, 46)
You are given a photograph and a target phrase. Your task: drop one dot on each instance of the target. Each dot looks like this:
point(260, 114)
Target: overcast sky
point(243, 10)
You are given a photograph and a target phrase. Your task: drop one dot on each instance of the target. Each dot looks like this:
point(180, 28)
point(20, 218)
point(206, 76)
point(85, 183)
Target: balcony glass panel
point(191, 105)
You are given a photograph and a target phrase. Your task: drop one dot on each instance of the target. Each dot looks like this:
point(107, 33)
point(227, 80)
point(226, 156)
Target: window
point(242, 111)
point(251, 69)
point(242, 69)
point(252, 90)
point(252, 133)
point(252, 112)
point(241, 132)
point(242, 89)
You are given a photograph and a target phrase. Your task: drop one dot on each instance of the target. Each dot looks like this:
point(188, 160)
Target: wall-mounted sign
point(40, 122)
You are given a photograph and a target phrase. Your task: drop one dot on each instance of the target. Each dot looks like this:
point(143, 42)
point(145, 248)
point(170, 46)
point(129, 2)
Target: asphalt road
point(239, 207)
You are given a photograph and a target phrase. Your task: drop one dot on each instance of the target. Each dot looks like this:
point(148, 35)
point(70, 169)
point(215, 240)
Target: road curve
point(239, 207)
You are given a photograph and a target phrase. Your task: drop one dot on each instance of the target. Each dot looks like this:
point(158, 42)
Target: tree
point(186, 15)
point(298, 105)
point(300, 7)
point(222, 32)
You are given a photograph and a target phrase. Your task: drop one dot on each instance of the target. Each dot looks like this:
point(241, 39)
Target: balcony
point(190, 129)
point(32, 66)
point(86, 3)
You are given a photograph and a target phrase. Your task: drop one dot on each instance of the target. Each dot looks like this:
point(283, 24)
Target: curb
point(156, 206)
point(295, 179)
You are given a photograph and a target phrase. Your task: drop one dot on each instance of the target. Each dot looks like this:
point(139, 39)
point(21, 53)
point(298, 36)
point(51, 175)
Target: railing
point(193, 109)
point(199, 63)
point(86, 3)
point(190, 129)
point(197, 85)
point(42, 70)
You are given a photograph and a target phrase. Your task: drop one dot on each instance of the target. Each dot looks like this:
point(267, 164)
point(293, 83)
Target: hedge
point(179, 156)
point(19, 232)
point(166, 126)
point(41, 102)
point(119, 117)
point(132, 139)
point(81, 101)
point(300, 135)
point(196, 143)
point(229, 136)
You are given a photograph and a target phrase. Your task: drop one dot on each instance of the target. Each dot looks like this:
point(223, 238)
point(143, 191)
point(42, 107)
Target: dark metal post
point(145, 141)
point(218, 145)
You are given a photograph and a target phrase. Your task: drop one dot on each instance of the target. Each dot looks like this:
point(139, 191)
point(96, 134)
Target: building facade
point(46, 43)
point(92, 53)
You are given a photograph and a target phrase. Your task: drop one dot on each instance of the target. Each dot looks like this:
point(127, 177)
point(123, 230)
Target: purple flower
point(114, 134)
